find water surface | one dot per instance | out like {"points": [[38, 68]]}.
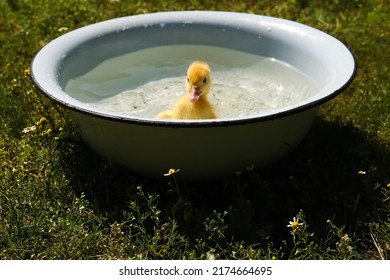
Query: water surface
{"points": [[145, 82]]}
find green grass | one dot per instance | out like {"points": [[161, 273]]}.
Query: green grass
{"points": [[59, 200]]}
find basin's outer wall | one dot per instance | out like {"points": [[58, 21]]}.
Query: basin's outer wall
{"points": [[199, 152], [149, 148]]}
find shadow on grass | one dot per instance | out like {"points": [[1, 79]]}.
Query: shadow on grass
{"points": [[322, 177]]}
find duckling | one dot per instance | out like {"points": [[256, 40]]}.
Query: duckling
{"points": [[195, 104]]}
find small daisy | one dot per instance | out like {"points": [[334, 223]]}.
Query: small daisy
{"points": [[171, 171], [361, 172], [29, 129], [62, 29], [210, 255], [345, 238], [250, 167], [294, 224]]}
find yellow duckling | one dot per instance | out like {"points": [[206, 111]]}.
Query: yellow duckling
{"points": [[195, 104]]}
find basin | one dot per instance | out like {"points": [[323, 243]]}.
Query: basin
{"points": [[210, 148]]}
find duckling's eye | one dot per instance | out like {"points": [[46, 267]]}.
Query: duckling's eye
{"points": [[188, 79], [205, 80]]}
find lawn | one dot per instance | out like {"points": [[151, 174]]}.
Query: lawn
{"points": [[59, 200]]}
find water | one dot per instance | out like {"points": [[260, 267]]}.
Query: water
{"points": [[146, 82]]}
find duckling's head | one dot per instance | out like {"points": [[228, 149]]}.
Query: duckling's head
{"points": [[198, 80]]}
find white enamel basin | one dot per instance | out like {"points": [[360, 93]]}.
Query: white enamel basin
{"points": [[200, 148]]}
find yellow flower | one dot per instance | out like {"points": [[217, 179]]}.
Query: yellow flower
{"points": [[171, 171], [27, 72], [49, 131], [361, 172], [294, 224], [42, 120]]}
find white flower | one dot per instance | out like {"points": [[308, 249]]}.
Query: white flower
{"points": [[171, 171], [62, 29], [29, 129], [294, 224], [210, 255]]}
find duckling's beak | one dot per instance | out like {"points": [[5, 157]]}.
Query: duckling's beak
{"points": [[195, 94]]}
